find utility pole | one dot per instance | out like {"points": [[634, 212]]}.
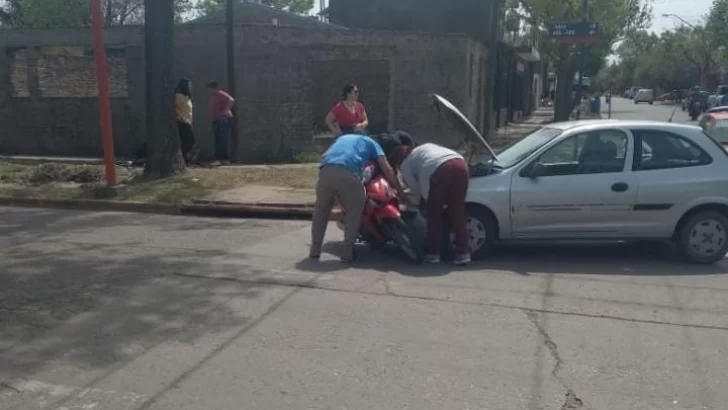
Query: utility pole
{"points": [[102, 83], [164, 157], [582, 58], [231, 74], [490, 80]]}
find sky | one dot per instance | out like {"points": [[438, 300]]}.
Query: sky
{"points": [[693, 11]]}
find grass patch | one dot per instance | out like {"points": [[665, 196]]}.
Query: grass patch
{"points": [[61, 181]]}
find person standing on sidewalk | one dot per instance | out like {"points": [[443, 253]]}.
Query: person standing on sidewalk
{"points": [[440, 176], [340, 177], [348, 115], [221, 113], [183, 113]]}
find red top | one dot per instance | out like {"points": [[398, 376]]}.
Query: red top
{"points": [[345, 117], [221, 104]]}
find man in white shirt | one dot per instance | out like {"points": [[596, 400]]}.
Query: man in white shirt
{"points": [[440, 176]]}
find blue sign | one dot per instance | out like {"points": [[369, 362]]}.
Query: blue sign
{"points": [[566, 29]]}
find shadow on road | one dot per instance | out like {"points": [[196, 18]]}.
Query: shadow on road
{"points": [[632, 259], [100, 306]]}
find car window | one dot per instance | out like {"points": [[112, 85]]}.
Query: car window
{"points": [[718, 130], [594, 152], [520, 150], [665, 150]]}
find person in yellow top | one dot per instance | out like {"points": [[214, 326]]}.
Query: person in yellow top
{"points": [[183, 113]]}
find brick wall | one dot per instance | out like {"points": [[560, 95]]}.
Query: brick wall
{"points": [[283, 90]]}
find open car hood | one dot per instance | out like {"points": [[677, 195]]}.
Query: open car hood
{"points": [[475, 142]]}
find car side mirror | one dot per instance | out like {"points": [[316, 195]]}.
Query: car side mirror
{"points": [[535, 170]]}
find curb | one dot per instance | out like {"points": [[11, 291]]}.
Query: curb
{"points": [[216, 210]]}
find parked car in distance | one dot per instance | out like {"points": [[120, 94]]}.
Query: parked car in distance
{"points": [[644, 95], [715, 124], [719, 97], [599, 180]]}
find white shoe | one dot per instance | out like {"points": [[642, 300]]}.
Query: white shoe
{"points": [[432, 259], [461, 260]]}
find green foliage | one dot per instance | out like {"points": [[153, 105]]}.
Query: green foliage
{"points": [[676, 59], [55, 13], [294, 6], [76, 13], [617, 19]]}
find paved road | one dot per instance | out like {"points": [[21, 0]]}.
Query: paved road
{"points": [[624, 109], [120, 311]]}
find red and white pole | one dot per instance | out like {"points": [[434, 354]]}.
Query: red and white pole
{"points": [[102, 82]]}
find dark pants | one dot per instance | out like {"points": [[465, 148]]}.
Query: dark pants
{"points": [[186, 138], [222, 130], [448, 186]]}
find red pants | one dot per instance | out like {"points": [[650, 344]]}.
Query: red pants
{"points": [[448, 186]]}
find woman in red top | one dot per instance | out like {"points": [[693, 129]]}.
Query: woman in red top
{"points": [[348, 115]]}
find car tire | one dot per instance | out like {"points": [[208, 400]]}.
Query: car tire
{"points": [[636, 102], [651, 102], [703, 238], [482, 228]]}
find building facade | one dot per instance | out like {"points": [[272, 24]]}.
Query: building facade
{"points": [[511, 60], [287, 79]]}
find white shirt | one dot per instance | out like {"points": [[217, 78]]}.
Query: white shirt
{"points": [[421, 163]]}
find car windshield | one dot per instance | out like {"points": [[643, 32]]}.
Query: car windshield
{"points": [[719, 131], [518, 151]]}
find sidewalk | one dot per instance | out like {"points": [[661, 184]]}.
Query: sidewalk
{"points": [[515, 131], [267, 191]]}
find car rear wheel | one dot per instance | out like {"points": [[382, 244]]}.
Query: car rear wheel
{"points": [[703, 238]]}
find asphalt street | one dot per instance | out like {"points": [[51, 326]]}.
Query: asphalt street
{"points": [[115, 311], [625, 109]]}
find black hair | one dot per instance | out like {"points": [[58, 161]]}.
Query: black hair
{"points": [[213, 84], [184, 87], [346, 90]]}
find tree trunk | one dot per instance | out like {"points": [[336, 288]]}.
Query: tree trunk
{"points": [[164, 157], [565, 71]]}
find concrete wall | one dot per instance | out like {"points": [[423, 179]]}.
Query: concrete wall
{"points": [[286, 79]]}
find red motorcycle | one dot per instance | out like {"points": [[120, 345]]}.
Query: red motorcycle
{"points": [[383, 223]]}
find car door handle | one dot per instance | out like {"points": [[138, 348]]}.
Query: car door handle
{"points": [[620, 187]]}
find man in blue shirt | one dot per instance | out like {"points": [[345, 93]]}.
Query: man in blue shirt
{"points": [[341, 177]]}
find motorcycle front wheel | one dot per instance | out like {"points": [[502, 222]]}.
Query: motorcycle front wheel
{"points": [[406, 238]]}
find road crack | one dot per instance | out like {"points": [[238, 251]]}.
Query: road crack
{"points": [[8, 386], [572, 401]]}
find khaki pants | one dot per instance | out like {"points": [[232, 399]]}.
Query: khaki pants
{"points": [[337, 183]]}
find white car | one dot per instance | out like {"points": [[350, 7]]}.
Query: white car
{"points": [[599, 180], [644, 95]]}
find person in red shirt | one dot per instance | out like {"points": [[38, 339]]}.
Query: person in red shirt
{"points": [[348, 115], [221, 114]]}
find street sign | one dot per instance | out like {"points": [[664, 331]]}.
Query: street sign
{"points": [[574, 32]]}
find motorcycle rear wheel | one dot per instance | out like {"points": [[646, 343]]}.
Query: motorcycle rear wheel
{"points": [[407, 239]]}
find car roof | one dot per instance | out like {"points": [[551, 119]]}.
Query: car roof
{"points": [[722, 108], [595, 125], [719, 115]]}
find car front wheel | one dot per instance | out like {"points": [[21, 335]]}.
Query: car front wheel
{"points": [[481, 227], [703, 238]]}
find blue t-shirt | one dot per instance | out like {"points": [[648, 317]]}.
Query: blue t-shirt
{"points": [[353, 152]]}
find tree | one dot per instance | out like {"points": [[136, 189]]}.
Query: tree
{"points": [[164, 157], [616, 19], [55, 13], [294, 6], [75, 13], [10, 13]]}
